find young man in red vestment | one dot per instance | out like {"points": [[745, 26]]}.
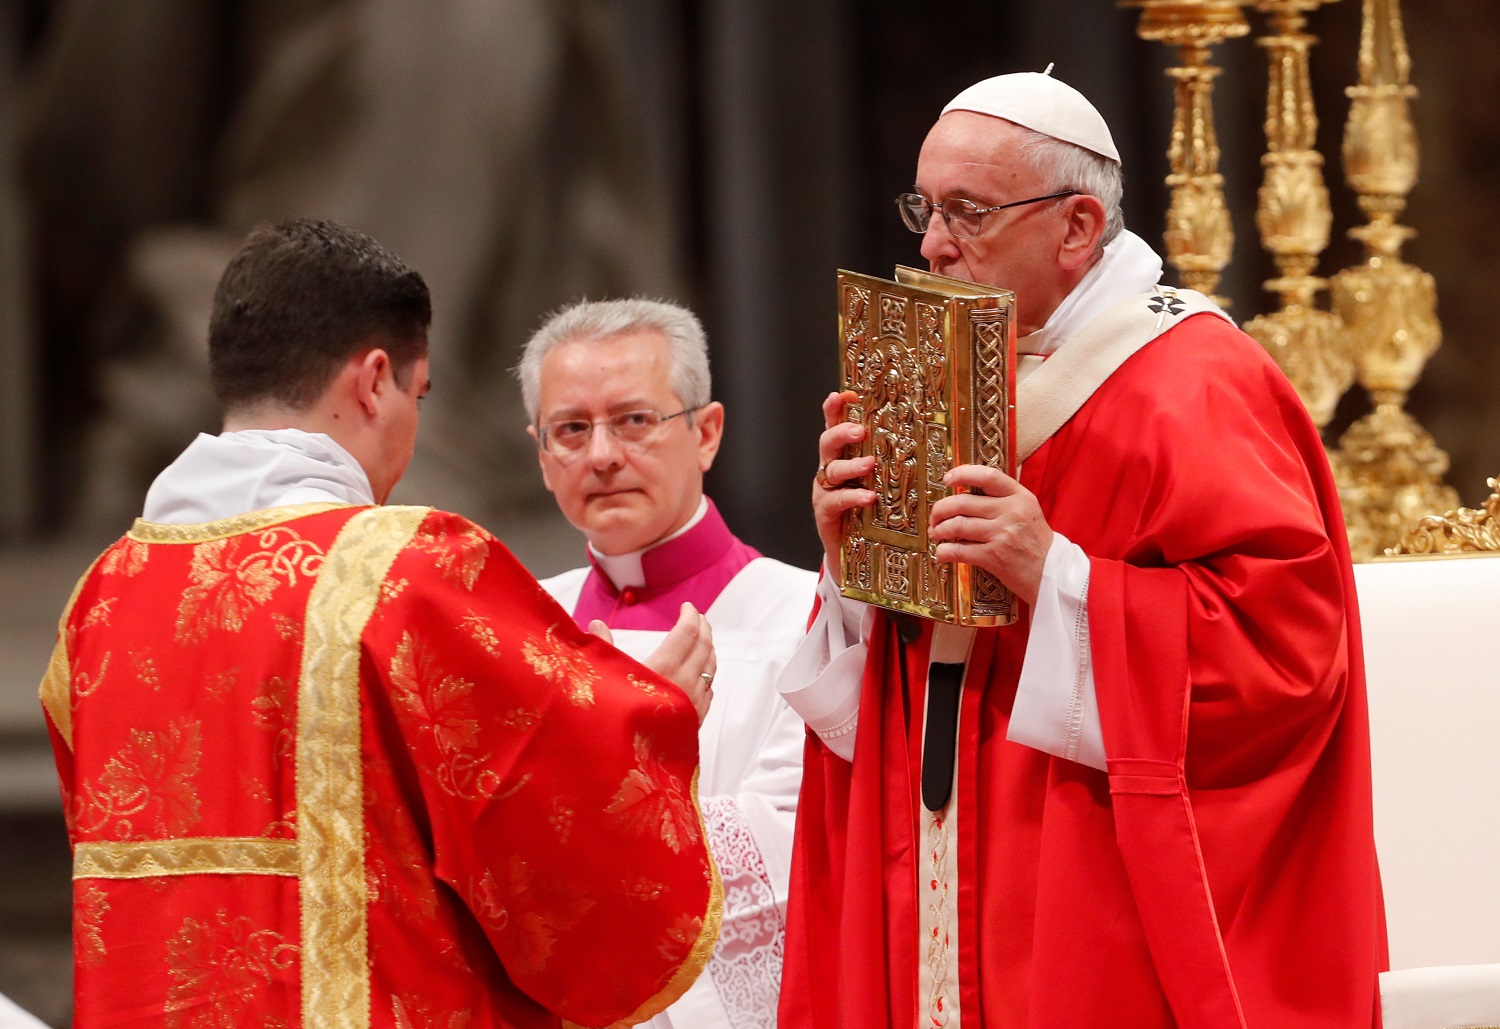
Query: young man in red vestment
{"points": [[618, 393], [329, 763], [1147, 802]]}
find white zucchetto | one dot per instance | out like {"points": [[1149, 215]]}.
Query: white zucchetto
{"points": [[1037, 101]]}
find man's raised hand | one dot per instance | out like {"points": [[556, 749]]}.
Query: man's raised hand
{"points": [[686, 657], [999, 527], [835, 488]]}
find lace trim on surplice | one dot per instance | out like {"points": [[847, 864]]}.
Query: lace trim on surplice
{"points": [[746, 965]]}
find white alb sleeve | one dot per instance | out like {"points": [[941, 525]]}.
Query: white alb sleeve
{"points": [[821, 681], [1056, 709]]}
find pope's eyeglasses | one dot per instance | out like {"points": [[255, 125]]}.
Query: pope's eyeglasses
{"points": [[964, 217], [566, 438]]}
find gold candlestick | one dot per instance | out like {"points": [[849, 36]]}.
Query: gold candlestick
{"points": [[1199, 236], [1294, 219], [1390, 468]]}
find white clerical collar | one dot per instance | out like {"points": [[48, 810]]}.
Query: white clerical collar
{"points": [[237, 472], [1128, 268], [625, 570]]}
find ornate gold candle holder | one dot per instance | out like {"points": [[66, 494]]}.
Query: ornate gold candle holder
{"points": [[1390, 468], [1294, 218], [1199, 236]]}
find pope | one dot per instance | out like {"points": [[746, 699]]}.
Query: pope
{"points": [[1147, 802]]}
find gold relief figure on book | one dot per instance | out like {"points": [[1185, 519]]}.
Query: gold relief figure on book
{"points": [[895, 422]]}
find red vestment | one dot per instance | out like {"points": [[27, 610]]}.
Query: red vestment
{"points": [[1223, 872], [339, 766]]}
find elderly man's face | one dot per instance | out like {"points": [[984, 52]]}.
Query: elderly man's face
{"points": [[624, 496], [974, 157]]}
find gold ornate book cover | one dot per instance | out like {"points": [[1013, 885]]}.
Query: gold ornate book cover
{"points": [[932, 361]]}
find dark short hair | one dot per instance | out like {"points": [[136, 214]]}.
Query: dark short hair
{"points": [[298, 300]]}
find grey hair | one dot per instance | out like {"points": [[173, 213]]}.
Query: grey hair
{"points": [[599, 320], [1069, 166]]}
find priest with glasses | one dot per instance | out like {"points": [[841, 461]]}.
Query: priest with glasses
{"points": [[618, 396]]}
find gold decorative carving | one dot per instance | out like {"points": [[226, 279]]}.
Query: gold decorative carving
{"points": [[1199, 237], [1294, 219], [1389, 472], [1461, 531], [897, 578], [1390, 469], [895, 424], [857, 567]]}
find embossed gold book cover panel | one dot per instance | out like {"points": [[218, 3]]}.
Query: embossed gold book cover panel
{"points": [[932, 362]]}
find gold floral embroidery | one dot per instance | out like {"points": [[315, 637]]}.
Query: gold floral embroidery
{"points": [[697, 956], [99, 614], [460, 556], [484, 895], [646, 686], [85, 684], [399, 863], [90, 905], [271, 710], [645, 889], [223, 683], [389, 590], [482, 632], [284, 828], [145, 671], [443, 711], [413, 1014], [226, 584], [655, 692], [561, 820], [219, 970], [152, 777], [528, 912], [287, 627], [127, 557], [521, 718], [680, 938], [652, 801], [564, 665]]}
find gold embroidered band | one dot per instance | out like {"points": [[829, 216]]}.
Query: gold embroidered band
{"points": [[156, 532], [56, 691], [144, 859], [330, 777]]}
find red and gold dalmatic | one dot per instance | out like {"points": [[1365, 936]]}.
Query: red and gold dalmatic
{"points": [[333, 766]]}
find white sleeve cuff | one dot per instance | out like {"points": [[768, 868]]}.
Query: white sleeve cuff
{"points": [[1056, 709], [821, 682]]}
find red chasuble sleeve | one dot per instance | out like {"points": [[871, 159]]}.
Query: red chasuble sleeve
{"points": [[1228, 664], [560, 776]]}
